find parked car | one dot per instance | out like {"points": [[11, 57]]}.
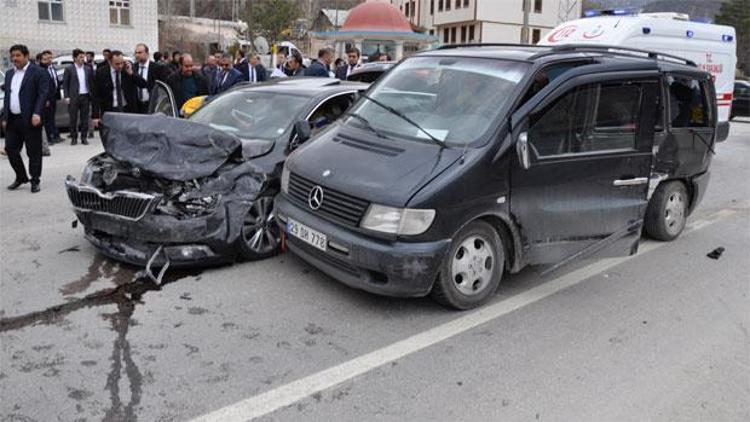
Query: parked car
{"points": [[370, 72], [200, 190], [463, 163], [741, 99]]}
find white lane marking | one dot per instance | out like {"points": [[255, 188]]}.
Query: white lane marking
{"points": [[288, 394]]}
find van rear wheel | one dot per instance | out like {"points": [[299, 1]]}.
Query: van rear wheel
{"points": [[472, 269], [667, 211]]}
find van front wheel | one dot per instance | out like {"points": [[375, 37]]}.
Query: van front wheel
{"points": [[472, 269]]}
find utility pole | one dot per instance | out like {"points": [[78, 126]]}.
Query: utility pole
{"points": [[525, 28], [192, 9]]}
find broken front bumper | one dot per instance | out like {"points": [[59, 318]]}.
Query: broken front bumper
{"points": [[123, 226], [383, 267]]}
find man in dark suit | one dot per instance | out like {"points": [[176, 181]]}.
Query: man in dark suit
{"points": [[26, 91], [320, 67], [187, 82], [50, 107], [149, 72], [116, 87], [78, 91], [253, 71], [352, 62], [227, 76]]}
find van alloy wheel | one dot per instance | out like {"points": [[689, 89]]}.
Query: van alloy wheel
{"points": [[259, 230], [473, 265], [674, 212]]}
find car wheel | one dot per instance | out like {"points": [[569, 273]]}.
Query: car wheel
{"points": [[667, 211], [472, 269], [260, 235]]}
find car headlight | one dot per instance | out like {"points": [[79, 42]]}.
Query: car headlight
{"points": [[88, 174], [400, 221], [285, 179]]}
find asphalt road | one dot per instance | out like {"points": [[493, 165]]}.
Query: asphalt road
{"points": [[662, 335]]}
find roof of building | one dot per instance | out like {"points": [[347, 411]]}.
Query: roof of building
{"points": [[376, 16]]}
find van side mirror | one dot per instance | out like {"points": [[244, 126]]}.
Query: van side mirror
{"points": [[303, 131], [522, 149]]}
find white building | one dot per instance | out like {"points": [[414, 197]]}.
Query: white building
{"points": [[486, 21], [62, 25]]}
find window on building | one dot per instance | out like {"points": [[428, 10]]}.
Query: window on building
{"points": [[119, 12], [406, 9], [447, 4], [50, 10], [537, 6], [458, 4], [536, 35], [471, 34], [446, 35], [432, 32], [440, 5], [413, 9], [453, 35], [466, 3], [432, 7], [463, 34]]}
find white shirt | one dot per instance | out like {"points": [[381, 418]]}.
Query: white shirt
{"points": [[15, 89], [253, 74], [350, 69], [83, 87], [143, 72], [113, 74], [52, 74]]}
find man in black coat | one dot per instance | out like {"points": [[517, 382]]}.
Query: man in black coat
{"points": [[253, 71], [320, 67], [149, 72], [187, 83], [50, 107], [78, 91], [352, 62], [116, 87], [26, 92]]}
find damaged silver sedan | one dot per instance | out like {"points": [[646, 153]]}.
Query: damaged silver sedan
{"points": [[183, 192]]}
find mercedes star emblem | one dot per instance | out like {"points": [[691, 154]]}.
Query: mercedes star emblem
{"points": [[315, 199]]}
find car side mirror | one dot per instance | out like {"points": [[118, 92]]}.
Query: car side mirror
{"points": [[522, 149], [303, 131]]}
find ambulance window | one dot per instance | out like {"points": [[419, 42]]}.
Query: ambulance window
{"points": [[687, 103]]}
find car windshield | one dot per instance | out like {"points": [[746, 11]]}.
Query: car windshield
{"points": [[251, 114], [454, 99]]}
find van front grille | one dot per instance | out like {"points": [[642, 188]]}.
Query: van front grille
{"points": [[336, 206]]}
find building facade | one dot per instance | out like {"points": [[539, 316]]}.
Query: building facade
{"points": [[486, 21], [62, 25]]}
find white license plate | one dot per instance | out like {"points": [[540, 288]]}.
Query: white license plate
{"points": [[310, 236]]}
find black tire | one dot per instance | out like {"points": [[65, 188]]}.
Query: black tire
{"points": [[260, 237], [667, 211], [473, 287]]}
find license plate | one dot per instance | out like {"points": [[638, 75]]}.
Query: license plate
{"points": [[308, 235]]}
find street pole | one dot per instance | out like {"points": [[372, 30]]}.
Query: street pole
{"points": [[525, 28]]}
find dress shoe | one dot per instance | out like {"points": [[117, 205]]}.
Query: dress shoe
{"points": [[16, 184], [46, 153], [35, 188], [84, 141], [74, 142]]}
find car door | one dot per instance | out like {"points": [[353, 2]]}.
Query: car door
{"points": [[162, 100], [579, 185]]}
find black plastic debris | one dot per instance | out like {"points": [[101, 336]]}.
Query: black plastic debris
{"points": [[716, 253], [74, 224]]}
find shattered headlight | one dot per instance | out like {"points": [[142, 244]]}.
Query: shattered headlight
{"points": [[285, 179], [400, 221], [197, 205]]}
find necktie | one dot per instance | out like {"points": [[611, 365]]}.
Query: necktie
{"points": [[118, 91], [252, 74], [53, 75], [140, 91]]}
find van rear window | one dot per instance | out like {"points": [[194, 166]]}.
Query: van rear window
{"points": [[687, 103]]}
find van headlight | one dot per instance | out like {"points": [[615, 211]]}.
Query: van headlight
{"points": [[400, 221], [285, 179]]}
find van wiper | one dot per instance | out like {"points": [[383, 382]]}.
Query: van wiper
{"points": [[366, 123], [405, 118]]}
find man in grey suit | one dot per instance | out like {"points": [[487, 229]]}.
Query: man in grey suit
{"points": [[78, 86]]}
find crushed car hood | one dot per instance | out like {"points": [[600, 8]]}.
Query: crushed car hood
{"points": [[174, 149]]}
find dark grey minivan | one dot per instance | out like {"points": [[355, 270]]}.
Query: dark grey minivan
{"points": [[466, 162]]}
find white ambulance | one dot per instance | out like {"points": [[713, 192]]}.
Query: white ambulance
{"points": [[711, 47]]}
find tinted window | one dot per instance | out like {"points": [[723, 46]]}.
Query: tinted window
{"points": [[616, 118], [687, 104]]}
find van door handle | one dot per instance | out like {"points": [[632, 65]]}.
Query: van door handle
{"points": [[631, 182]]}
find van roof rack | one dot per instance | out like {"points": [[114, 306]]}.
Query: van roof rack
{"points": [[452, 46], [613, 50]]}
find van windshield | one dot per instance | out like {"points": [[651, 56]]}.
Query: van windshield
{"points": [[454, 99]]}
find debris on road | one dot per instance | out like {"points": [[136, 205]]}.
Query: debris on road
{"points": [[716, 253]]}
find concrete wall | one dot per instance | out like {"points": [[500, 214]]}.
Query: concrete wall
{"points": [[85, 25]]}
